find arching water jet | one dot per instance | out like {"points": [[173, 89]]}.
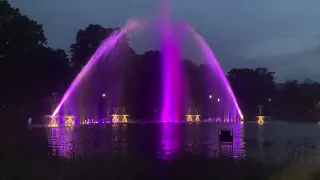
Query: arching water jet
{"points": [[216, 66], [104, 49]]}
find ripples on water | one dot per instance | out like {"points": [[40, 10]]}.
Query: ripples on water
{"points": [[168, 139]]}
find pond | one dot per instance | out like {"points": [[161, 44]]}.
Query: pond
{"points": [[249, 139]]}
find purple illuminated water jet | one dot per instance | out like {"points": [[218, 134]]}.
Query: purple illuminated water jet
{"points": [[104, 49], [215, 64], [173, 81], [171, 69]]}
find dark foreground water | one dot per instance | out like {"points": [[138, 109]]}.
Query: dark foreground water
{"points": [[250, 139]]}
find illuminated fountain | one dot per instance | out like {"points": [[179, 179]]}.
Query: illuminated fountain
{"points": [[69, 121], [104, 49], [115, 116], [172, 77], [260, 117]]}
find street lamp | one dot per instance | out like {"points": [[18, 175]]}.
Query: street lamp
{"points": [[218, 99], [210, 96], [269, 102], [103, 94]]}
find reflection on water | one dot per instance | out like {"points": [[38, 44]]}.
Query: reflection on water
{"points": [[156, 139], [171, 139], [61, 141], [146, 139]]}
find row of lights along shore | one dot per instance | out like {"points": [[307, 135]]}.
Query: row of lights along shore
{"points": [[117, 118]]}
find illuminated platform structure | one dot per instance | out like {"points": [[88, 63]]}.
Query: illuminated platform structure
{"points": [[62, 121], [53, 122], [260, 117], [195, 117], [124, 115], [189, 116], [69, 121], [192, 117], [115, 116]]}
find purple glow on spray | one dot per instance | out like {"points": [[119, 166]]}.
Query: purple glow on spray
{"points": [[215, 64], [104, 49], [172, 80]]}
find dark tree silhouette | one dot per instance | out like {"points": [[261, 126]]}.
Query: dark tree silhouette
{"points": [[28, 68], [252, 87], [87, 42], [298, 100]]}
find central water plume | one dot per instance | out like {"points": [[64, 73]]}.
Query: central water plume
{"points": [[171, 69], [175, 95], [104, 49]]}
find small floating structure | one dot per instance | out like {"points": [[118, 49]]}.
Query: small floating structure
{"points": [[53, 122], [69, 121], [225, 141]]}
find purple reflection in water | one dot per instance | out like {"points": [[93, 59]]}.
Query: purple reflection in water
{"points": [[171, 139], [165, 139], [61, 141], [200, 138]]}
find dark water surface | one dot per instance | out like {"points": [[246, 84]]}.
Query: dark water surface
{"points": [[167, 139]]}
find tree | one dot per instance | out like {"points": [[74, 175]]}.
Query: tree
{"points": [[143, 85], [252, 86], [27, 65], [87, 42]]}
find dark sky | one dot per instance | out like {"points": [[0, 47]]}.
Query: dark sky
{"points": [[282, 35]]}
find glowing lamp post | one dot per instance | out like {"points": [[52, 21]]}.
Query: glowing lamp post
{"points": [[104, 95], [269, 102], [210, 106]]}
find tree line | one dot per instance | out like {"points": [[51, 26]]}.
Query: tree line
{"points": [[31, 70]]}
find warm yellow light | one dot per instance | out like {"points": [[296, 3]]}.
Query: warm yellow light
{"points": [[53, 123], [125, 118], [218, 99], [115, 118], [189, 117], [197, 117], [210, 96], [260, 120], [69, 122], [103, 95]]}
